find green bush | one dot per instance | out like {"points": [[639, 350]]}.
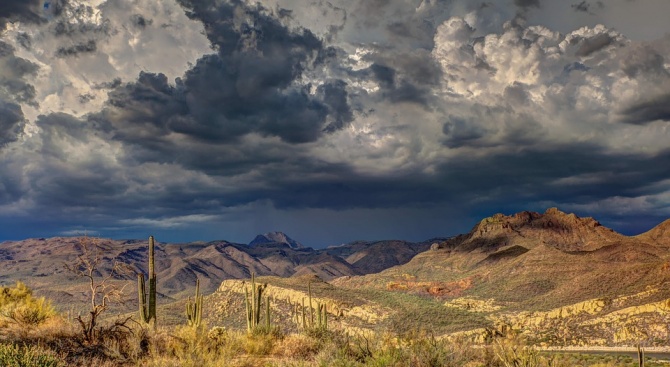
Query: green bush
{"points": [[12, 355], [17, 304]]}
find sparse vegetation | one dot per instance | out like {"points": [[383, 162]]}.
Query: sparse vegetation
{"points": [[399, 329], [17, 305], [12, 355], [101, 290]]}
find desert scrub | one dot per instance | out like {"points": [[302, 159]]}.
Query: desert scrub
{"points": [[17, 305], [297, 346], [12, 355]]}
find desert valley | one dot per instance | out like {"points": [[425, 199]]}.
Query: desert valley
{"points": [[547, 280]]}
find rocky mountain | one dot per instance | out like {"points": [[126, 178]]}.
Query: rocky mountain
{"points": [[40, 262], [550, 275], [534, 260], [373, 257], [271, 238]]}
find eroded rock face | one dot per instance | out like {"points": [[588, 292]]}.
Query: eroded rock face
{"points": [[566, 232]]}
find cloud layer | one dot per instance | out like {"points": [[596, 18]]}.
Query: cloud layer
{"points": [[222, 119]]}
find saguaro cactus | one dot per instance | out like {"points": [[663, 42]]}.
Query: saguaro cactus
{"points": [[148, 310], [253, 302], [311, 309], [194, 310], [308, 321]]}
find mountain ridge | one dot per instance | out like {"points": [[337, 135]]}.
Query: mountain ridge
{"points": [[40, 262], [534, 260]]}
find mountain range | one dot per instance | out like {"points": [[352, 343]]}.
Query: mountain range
{"points": [[40, 262], [558, 278]]}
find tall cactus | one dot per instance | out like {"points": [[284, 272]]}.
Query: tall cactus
{"points": [[267, 313], [194, 310], [308, 321], [148, 311], [253, 303], [640, 355]]}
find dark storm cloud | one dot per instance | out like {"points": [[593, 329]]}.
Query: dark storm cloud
{"points": [[15, 69], [648, 111], [13, 91], [586, 6], [643, 59], [21, 10], [85, 98], [89, 46], [516, 94], [24, 40], [335, 96], [115, 83], [142, 111], [527, 3], [403, 77], [11, 122], [583, 6], [460, 132], [140, 21], [593, 44], [61, 183], [540, 174], [528, 175], [251, 85]]}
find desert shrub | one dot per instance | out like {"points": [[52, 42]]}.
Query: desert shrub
{"points": [[218, 335], [189, 343], [259, 344], [297, 346], [511, 353], [18, 305], [17, 293], [12, 355]]}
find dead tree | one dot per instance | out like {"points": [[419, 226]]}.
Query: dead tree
{"points": [[102, 291]]}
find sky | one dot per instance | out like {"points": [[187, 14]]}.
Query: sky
{"points": [[331, 121]]}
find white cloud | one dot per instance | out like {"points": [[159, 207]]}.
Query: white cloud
{"points": [[166, 41]]}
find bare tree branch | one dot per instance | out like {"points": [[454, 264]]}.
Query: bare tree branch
{"points": [[89, 265]]}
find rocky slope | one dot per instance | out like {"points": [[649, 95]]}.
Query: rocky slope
{"points": [[537, 271], [40, 262]]}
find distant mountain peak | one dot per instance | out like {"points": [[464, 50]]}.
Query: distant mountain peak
{"points": [[274, 238]]}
